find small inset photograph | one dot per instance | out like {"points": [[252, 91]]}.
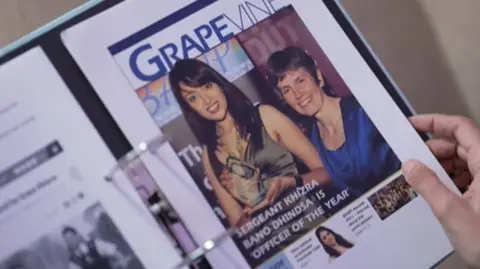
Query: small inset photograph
{"points": [[392, 197], [89, 241], [334, 243]]}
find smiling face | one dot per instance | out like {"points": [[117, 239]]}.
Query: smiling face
{"points": [[207, 100], [301, 92], [327, 238]]}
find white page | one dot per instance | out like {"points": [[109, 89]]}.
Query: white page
{"points": [[53, 165], [104, 47]]}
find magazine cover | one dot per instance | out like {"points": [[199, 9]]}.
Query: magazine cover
{"points": [[270, 133], [282, 128]]}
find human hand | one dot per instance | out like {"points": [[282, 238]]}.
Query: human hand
{"points": [[444, 147], [278, 186], [458, 214]]}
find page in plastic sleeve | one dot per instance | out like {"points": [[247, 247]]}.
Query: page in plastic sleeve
{"points": [[56, 209], [284, 130]]}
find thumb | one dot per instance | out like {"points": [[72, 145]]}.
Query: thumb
{"points": [[424, 181], [271, 195], [272, 192]]}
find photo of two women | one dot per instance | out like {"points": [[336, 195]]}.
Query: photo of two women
{"points": [[255, 152]]}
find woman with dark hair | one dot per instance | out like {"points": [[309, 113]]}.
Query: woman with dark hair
{"points": [[333, 244], [247, 149]]}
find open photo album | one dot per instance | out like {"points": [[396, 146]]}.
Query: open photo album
{"points": [[56, 209], [282, 128]]}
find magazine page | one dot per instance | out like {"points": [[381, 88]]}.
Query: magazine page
{"points": [[56, 209], [285, 132]]}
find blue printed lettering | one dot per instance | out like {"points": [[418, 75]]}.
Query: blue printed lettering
{"points": [[199, 41], [169, 57], [250, 6], [219, 57], [241, 11], [166, 93], [151, 98], [156, 61], [219, 28], [203, 33], [271, 5], [189, 44]]}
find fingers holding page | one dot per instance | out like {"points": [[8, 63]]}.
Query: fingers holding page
{"points": [[463, 130], [442, 147], [426, 183], [456, 213], [456, 144]]}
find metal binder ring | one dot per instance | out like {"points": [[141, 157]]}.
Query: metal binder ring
{"points": [[162, 206]]}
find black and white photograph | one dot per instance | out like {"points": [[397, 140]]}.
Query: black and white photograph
{"points": [[89, 241]]}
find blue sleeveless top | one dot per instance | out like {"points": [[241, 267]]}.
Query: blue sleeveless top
{"points": [[365, 159]]}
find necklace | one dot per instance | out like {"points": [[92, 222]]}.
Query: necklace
{"points": [[238, 145]]}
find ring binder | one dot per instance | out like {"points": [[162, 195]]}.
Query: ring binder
{"points": [[160, 207]]}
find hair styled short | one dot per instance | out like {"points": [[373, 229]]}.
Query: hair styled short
{"points": [[290, 59], [69, 229], [195, 73], [338, 238]]}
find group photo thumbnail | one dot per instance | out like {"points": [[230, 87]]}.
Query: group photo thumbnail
{"points": [[393, 196], [89, 241]]}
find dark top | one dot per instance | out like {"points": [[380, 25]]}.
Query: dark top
{"points": [[365, 159], [90, 260], [262, 163]]}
